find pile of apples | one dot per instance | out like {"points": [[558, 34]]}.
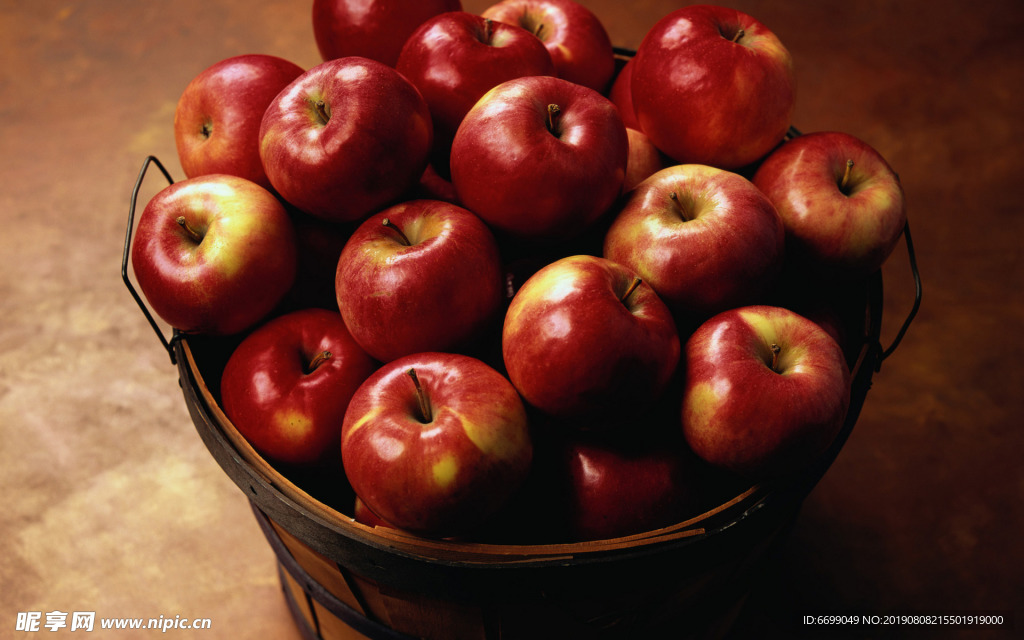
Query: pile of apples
{"points": [[482, 274]]}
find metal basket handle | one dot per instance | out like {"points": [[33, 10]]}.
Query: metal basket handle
{"points": [[917, 300], [168, 344]]}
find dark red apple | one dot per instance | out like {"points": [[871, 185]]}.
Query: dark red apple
{"points": [[374, 29], [217, 119], [345, 139], [362, 514], [712, 85], [766, 392], [456, 57], [705, 239], [644, 160], [613, 488], [436, 443], [841, 203], [287, 385], [573, 34], [540, 158], [433, 186], [586, 340], [621, 95], [214, 254], [319, 245], [419, 276]]}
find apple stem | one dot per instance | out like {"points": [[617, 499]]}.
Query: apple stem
{"points": [[553, 111], [632, 287], [487, 31], [322, 111], [776, 349], [320, 358], [421, 396], [192, 233], [538, 29], [391, 225], [846, 176], [739, 34], [679, 206]]}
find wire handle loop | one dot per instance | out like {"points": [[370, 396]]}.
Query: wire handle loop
{"points": [[917, 299], [168, 344]]}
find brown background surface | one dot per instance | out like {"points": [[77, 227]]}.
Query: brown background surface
{"points": [[113, 505]]}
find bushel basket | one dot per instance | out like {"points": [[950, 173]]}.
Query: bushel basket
{"points": [[343, 579]]}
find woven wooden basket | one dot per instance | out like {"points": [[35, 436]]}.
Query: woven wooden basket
{"points": [[344, 579]]}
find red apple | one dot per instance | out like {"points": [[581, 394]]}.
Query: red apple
{"points": [[346, 138], [705, 239], [419, 276], [540, 158], [713, 86], [766, 391], [217, 120], [374, 29], [214, 254], [433, 186], [319, 245], [838, 307], [621, 95], [363, 515], [435, 443], [841, 203], [612, 488], [644, 159], [287, 385], [578, 42], [456, 57], [585, 339]]}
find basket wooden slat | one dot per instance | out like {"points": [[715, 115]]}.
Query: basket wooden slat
{"points": [[322, 569]]}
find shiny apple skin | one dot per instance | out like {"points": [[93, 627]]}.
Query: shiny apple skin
{"points": [[289, 411], [374, 29], [436, 294], [444, 477], [217, 118], [577, 40], [527, 182], [240, 269], [613, 489], [455, 58], [707, 100], [644, 159], [727, 252], [574, 350], [621, 95], [362, 514], [844, 233], [741, 415], [372, 149]]}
